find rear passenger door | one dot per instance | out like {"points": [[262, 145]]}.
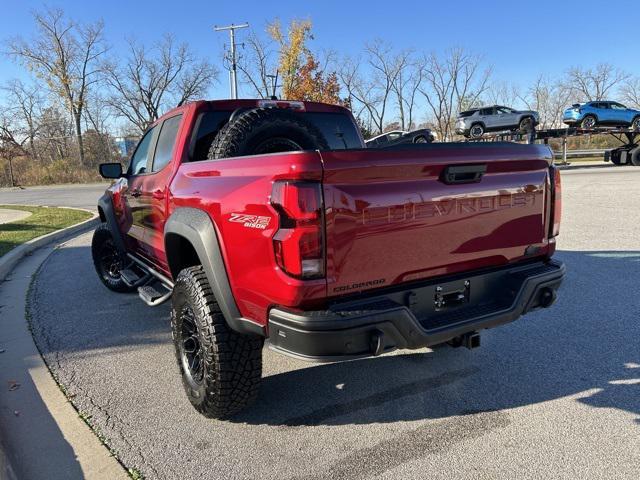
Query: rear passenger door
{"points": [[154, 190], [605, 114]]}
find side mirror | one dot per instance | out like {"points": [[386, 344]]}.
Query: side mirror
{"points": [[110, 170]]}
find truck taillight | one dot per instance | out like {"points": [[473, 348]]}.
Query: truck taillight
{"points": [[556, 198], [299, 242]]}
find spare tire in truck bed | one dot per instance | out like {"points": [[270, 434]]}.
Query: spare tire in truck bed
{"points": [[266, 130]]}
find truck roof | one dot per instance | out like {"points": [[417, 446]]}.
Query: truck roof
{"points": [[229, 104]]}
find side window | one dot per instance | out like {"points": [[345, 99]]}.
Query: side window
{"points": [[394, 136], [338, 129], [486, 111], [166, 142], [138, 163]]}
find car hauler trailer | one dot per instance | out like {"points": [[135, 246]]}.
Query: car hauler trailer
{"points": [[628, 153]]}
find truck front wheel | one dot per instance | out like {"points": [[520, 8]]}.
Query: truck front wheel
{"points": [[107, 260], [221, 369]]}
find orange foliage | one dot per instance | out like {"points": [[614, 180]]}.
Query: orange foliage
{"points": [[311, 85]]}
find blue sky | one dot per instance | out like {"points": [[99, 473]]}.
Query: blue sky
{"points": [[520, 39]]}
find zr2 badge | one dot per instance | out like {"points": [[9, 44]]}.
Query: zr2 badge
{"points": [[250, 221]]}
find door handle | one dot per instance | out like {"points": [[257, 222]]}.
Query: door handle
{"points": [[454, 174], [135, 193], [158, 195]]}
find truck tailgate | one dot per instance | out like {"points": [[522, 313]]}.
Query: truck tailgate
{"points": [[393, 217]]}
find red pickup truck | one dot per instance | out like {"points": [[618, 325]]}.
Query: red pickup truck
{"points": [[270, 219]]}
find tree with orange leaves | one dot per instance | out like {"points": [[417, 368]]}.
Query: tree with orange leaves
{"points": [[302, 76]]}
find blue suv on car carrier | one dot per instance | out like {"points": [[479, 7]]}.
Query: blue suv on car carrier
{"points": [[601, 113]]}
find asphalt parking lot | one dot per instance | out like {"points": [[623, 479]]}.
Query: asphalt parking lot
{"points": [[553, 395]]}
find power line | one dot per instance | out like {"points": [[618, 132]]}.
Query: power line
{"points": [[231, 56]]}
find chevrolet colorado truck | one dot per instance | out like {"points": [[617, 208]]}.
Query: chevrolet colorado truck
{"points": [[263, 219]]}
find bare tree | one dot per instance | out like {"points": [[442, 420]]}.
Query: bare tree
{"points": [[25, 105], [596, 83], [361, 98], [630, 91], [454, 82], [407, 82], [549, 98], [150, 81], [385, 69], [257, 62], [503, 93], [12, 141], [65, 55]]}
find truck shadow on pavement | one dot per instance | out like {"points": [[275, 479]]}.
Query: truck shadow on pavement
{"points": [[585, 346]]}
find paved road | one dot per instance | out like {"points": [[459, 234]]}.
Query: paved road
{"points": [[554, 395], [80, 196]]}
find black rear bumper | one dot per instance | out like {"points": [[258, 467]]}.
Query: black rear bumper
{"points": [[420, 315]]}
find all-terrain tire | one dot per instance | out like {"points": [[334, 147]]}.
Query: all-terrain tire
{"points": [[107, 260], [231, 362], [266, 130]]}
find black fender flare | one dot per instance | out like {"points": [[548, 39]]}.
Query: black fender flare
{"points": [[195, 226], [108, 216]]}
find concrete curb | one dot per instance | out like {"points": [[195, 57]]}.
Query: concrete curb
{"points": [[9, 260], [41, 433]]}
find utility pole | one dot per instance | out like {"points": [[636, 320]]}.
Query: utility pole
{"points": [[231, 56], [274, 85]]}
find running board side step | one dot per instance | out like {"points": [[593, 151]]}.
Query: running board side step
{"points": [[133, 276], [153, 287], [155, 293]]}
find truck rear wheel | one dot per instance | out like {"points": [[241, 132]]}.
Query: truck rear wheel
{"points": [[635, 156], [107, 260], [221, 369], [266, 130]]}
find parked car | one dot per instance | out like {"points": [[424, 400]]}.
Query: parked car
{"points": [[601, 113], [268, 219], [474, 123], [397, 137]]}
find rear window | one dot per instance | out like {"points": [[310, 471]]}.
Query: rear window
{"points": [[337, 128], [208, 125]]}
